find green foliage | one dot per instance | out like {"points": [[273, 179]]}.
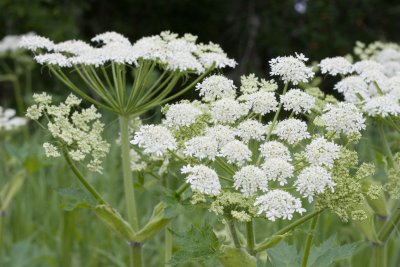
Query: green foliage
{"points": [[324, 255], [197, 244], [73, 198]]}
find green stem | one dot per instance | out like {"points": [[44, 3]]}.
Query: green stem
{"points": [[82, 179], [250, 237], [386, 144], [136, 254], [390, 225], [266, 243], [168, 244], [309, 240], [234, 234], [378, 256], [276, 114]]}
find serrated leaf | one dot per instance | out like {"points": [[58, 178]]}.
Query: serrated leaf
{"points": [[73, 198], [330, 251], [284, 255], [197, 244]]}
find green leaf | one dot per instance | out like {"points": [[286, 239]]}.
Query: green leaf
{"points": [[73, 198], [284, 255], [330, 251], [197, 244]]}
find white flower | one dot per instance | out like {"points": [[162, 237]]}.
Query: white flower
{"points": [[291, 69], [227, 111], [8, 120], [353, 87], [42, 98], [278, 204], [76, 47], [216, 87], [201, 147], [110, 37], [335, 65], [11, 42], [34, 42], [251, 129], [275, 149], [236, 152], [51, 151], [219, 60], [202, 179], [249, 84], [292, 130], [382, 106], [221, 134], [53, 59], [182, 114], [313, 180], [387, 55], [298, 101], [249, 179], [322, 152], [366, 65], [343, 118], [156, 140], [261, 102], [278, 169]]}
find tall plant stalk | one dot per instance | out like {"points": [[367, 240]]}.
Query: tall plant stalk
{"points": [[131, 207]]}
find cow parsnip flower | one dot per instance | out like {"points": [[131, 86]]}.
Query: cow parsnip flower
{"points": [[335, 66], [156, 140], [239, 158], [291, 69], [297, 101], [77, 131]]}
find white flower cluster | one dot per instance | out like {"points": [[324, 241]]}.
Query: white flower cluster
{"points": [[8, 120], [77, 131], [372, 83], [167, 49], [298, 101], [225, 139], [343, 118], [10, 42], [291, 69]]}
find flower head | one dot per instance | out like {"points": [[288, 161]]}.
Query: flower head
{"points": [[249, 179], [156, 140], [291, 69], [292, 130], [313, 180], [298, 101], [343, 118], [321, 152], [216, 87], [201, 147], [278, 204], [182, 114], [275, 149], [335, 66], [227, 110], [236, 152], [251, 130], [202, 179], [278, 169]]}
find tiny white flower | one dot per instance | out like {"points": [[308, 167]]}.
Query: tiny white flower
{"points": [[343, 118], [216, 87], [227, 111], [335, 66], [291, 69], [313, 180], [298, 101], [322, 152], [292, 130], [278, 169], [156, 140], [251, 130], [201, 147], [261, 102], [278, 204], [182, 114], [222, 134], [382, 106], [236, 152], [249, 179], [51, 151], [275, 149], [353, 87], [202, 179]]}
